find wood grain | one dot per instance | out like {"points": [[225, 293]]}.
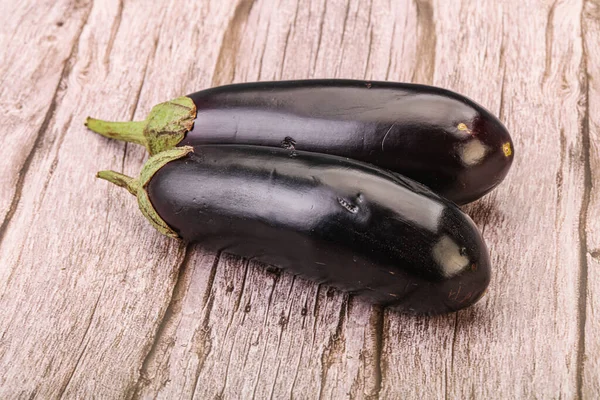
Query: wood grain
{"points": [[32, 84], [590, 231], [94, 303]]}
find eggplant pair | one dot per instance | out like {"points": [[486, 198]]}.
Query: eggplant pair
{"points": [[314, 177]]}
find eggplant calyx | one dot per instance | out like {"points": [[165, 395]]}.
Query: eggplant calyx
{"points": [[137, 187], [166, 126]]}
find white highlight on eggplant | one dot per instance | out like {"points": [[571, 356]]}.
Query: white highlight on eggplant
{"points": [[472, 152], [448, 255]]}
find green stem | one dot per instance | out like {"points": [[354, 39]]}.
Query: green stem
{"points": [[132, 132], [132, 185], [165, 127]]}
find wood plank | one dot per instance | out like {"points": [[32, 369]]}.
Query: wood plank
{"points": [[526, 328], [590, 127], [83, 295], [534, 224], [38, 40], [93, 302]]}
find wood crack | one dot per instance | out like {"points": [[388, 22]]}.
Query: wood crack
{"points": [[287, 39], [296, 371], [285, 46], [238, 301], [452, 355], [558, 221], [315, 314], [376, 323], [426, 43], [583, 214], [549, 41], [225, 66], [262, 54], [113, 34], [211, 280], [389, 66], [207, 303], [501, 106], [138, 95], [369, 53], [236, 305], [296, 13], [334, 346], [274, 381], [262, 358], [85, 333], [54, 163], [347, 14], [323, 14], [180, 270], [283, 321], [502, 66]]}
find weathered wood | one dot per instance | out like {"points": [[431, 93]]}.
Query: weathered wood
{"points": [[37, 42], [82, 297], [590, 213], [526, 329], [93, 302]]}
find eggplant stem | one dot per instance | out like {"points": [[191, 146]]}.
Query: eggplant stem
{"points": [[132, 132], [164, 128], [132, 185]]}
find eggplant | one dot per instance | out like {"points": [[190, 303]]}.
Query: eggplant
{"points": [[434, 136], [334, 220]]}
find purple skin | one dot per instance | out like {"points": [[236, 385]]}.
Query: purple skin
{"points": [[431, 135], [337, 221]]}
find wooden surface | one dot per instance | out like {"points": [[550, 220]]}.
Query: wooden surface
{"points": [[95, 303]]}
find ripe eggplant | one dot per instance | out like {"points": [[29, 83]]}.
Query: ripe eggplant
{"points": [[434, 136], [335, 220]]}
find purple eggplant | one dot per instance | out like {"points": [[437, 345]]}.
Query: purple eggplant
{"points": [[337, 221], [434, 136]]}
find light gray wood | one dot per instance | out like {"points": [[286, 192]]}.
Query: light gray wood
{"points": [[522, 341], [37, 43], [94, 303], [590, 126]]}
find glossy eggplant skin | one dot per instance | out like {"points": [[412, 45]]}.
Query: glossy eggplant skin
{"points": [[431, 135], [334, 220]]}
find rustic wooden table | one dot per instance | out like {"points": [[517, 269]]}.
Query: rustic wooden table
{"points": [[95, 303]]}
